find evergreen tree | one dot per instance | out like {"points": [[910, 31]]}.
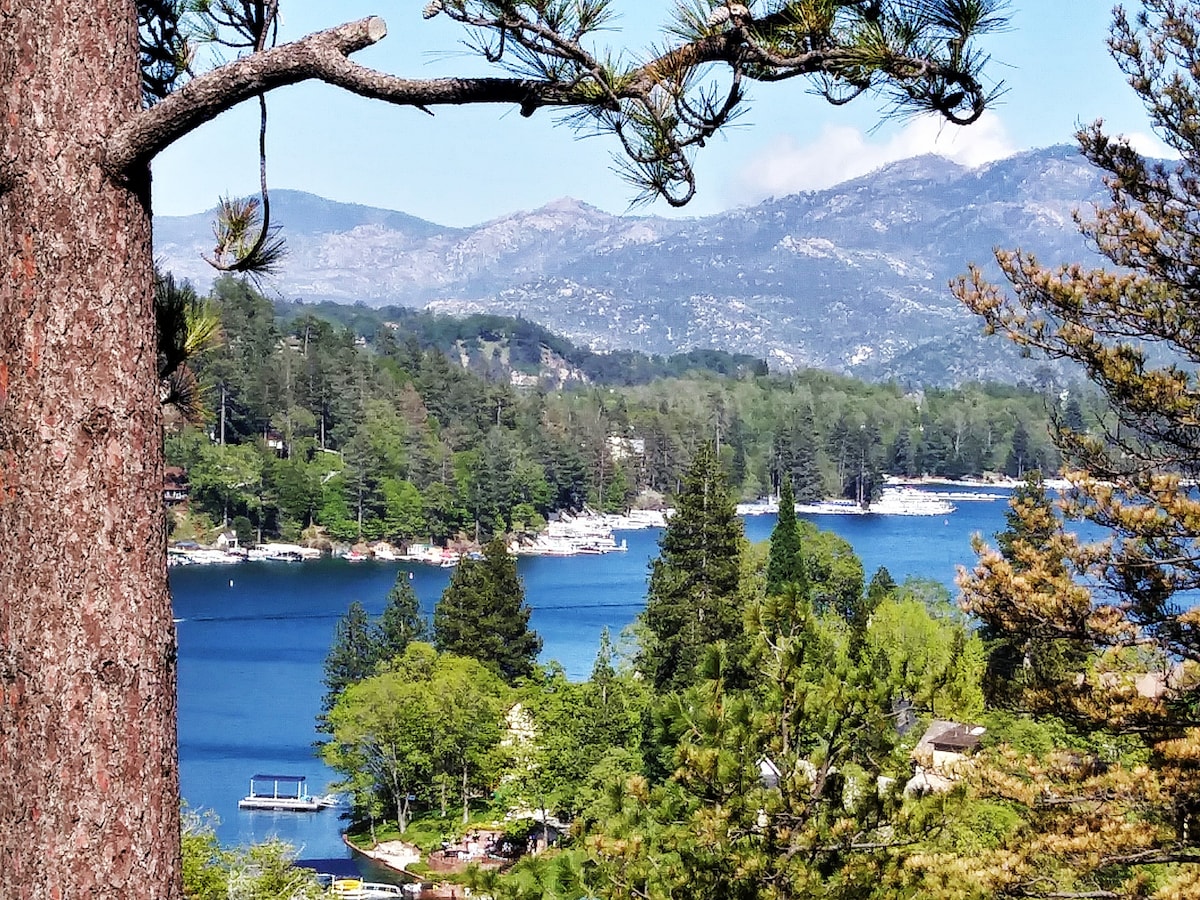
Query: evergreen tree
{"points": [[862, 475], [401, 622], [735, 438], [781, 456], [1033, 530], [1024, 670], [807, 483], [1020, 458], [352, 656], [858, 613], [904, 454], [936, 448], [834, 824], [785, 565], [692, 599], [1073, 415], [603, 672], [881, 587], [482, 615]]}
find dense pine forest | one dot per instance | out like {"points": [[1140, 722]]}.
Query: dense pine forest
{"points": [[392, 424]]}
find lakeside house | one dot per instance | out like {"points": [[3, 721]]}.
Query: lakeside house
{"points": [[176, 489], [942, 756]]}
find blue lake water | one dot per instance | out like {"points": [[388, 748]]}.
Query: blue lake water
{"points": [[253, 637]]}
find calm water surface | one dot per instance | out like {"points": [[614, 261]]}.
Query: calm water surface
{"points": [[253, 637]]}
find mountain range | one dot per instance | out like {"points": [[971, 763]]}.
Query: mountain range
{"points": [[851, 279]]}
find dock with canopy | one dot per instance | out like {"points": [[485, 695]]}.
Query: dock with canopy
{"points": [[286, 792]]}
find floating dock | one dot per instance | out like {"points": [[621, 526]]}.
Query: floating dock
{"points": [[283, 792]]}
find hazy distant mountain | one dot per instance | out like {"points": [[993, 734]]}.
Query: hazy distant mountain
{"points": [[853, 278]]}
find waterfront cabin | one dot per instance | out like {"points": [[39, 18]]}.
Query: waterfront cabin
{"points": [[942, 756], [287, 792], [175, 486]]}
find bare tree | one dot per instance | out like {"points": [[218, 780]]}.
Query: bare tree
{"points": [[90, 92]]}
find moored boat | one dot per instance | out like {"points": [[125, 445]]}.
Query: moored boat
{"points": [[892, 502]]}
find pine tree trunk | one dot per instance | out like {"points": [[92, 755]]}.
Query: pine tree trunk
{"points": [[89, 804]]}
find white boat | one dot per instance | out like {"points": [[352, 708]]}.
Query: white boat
{"points": [[572, 536], [637, 519], [201, 556], [892, 502], [972, 496], [284, 552], [831, 508], [429, 555], [765, 507], [910, 502]]}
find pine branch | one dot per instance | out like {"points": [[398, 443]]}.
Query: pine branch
{"points": [[648, 107], [207, 96]]}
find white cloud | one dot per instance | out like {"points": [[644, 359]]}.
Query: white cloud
{"points": [[839, 153]]}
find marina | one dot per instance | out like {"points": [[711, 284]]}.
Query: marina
{"points": [[587, 533]]}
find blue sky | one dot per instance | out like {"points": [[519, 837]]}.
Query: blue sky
{"points": [[466, 166]]}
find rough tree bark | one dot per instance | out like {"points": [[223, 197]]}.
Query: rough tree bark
{"points": [[88, 771]]}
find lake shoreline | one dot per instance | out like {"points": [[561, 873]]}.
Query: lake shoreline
{"points": [[253, 638], [590, 533]]}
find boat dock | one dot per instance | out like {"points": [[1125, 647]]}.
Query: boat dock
{"points": [[283, 792], [357, 889]]}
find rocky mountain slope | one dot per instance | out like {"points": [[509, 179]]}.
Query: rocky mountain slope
{"points": [[853, 278]]}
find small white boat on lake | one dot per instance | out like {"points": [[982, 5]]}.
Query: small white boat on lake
{"points": [[910, 502], [278, 552], [892, 502]]}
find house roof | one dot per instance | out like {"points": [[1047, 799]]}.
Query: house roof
{"points": [[945, 735], [958, 738]]}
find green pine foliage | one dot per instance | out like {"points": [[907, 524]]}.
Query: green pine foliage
{"points": [[361, 644], [795, 456], [785, 565], [401, 621], [692, 599], [482, 615], [792, 786], [1023, 669], [353, 654], [881, 587], [1033, 530]]}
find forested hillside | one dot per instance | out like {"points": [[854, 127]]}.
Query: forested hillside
{"points": [[495, 346], [413, 428]]}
